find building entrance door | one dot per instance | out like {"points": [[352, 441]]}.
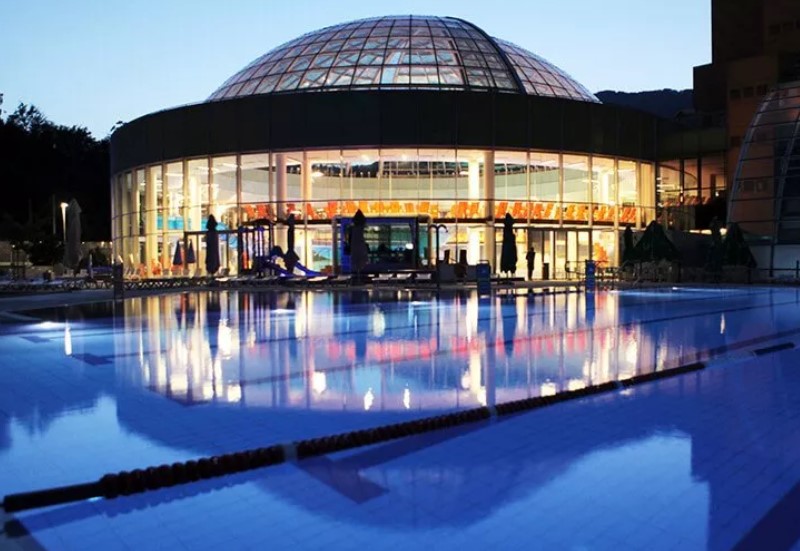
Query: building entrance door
{"points": [[560, 253]]}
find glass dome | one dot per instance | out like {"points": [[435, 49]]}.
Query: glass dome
{"points": [[766, 193], [401, 52]]}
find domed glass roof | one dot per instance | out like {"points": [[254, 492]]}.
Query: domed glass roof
{"points": [[401, 52], [765, 200]]}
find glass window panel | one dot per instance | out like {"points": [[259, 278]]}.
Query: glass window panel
{"points": [[288, 82], [313, 79], [451, 75], [423, 57], [447, 57], [354, 44], [576, 179], [312, 48], [323, 60], [378, 43], [604, 184], [340, 77], [374, 57], [300, 64], [346, 59], [395, 57], [545, 174], [367, 75], [333, 46], [255, 186], [267, 85], [398, 42]]}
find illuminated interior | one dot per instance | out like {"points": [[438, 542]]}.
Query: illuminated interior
{"points": [[569, 207]]}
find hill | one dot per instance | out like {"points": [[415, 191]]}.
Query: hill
{"points": [[665, 103]]}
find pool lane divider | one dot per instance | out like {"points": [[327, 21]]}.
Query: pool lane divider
{"points": [[773, 348], [126, 483]]}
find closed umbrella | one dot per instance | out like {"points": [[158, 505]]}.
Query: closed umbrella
{"points": [[177, 260], [628, 254], [190, 256], [359, 252], [508, 254], [654, 245], [72, 247], [735, 250], [212, 246]]}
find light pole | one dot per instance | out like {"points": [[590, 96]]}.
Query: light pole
{"points": [[64, 221]]}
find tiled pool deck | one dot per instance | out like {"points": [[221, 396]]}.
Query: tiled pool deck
{"points": [[704, 460]]}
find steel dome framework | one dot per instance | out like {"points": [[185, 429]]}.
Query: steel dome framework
{"points": [[401, 52]]}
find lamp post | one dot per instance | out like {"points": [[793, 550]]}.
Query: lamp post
{"points": [[64, 221]]}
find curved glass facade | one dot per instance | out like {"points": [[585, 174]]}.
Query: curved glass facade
{"points": [[401, 52], [765, 200], [569, 207]]}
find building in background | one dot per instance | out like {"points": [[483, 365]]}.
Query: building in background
{"points": [[399, 117], [752, 82]]}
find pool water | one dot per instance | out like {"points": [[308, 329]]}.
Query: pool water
{"points": [[97, 388]]}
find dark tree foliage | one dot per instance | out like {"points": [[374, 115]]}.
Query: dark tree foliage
{"points": [[43, 164]]}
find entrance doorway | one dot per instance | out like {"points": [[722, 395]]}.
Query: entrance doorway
{"points": [[561, 252]]}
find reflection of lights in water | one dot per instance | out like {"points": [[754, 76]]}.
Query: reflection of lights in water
{"points": [[407, 398], [420, 302], [481, 396], [319, 381], [282, 311], [161, 372], [208, 391], [369, 398], [378, 323], [224, 341], [251, 338], [67, 341], [471, 316], [626, 392], [146, 373], [631, 351], [465, 379], [178, 384], [548, 389], [576, 384], [234, 393], [722, 325], [47, 325]]}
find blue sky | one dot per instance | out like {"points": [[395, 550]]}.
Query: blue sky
{"points": [[94, 62]]}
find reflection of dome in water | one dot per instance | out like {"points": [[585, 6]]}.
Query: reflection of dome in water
{"points": [[765, 200], [401, 52]]}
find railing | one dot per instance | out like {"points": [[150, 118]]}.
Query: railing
{"points": [[448, 210]]}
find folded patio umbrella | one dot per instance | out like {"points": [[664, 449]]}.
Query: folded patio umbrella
{"points": [[190, 257], [177, 260]]}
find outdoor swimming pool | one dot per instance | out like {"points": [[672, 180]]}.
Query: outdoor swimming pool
{"points": [[90, 389]]}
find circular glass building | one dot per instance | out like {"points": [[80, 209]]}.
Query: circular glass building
{"points": [[424, 119], [765, 201]]}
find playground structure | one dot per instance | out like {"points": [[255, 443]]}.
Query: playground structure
{"points": [[258, 252]]}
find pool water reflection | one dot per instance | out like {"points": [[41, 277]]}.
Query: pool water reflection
{"points": [[360, 351], [99, 388]]}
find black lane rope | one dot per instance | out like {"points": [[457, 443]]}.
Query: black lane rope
{"points": [[126, 483]]}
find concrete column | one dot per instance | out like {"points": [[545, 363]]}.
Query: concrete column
{"points": [[473, 194], [150, 217], [187, 201], [166, 261], [488, 196], [135, 211], [280, 198], [280, 184]]}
